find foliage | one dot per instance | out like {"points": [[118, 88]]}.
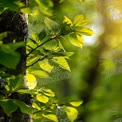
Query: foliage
{"points": [[45, 52]]}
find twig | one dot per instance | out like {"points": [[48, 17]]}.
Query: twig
{"points": [[63, 34], [40, 59], [40, 45]]}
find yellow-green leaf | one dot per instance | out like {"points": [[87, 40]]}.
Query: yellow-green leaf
{"points": [[45, 65], [50, 24], [71, 113], [67, 20], [76, 103], [34, 105], [40, 73], [62, 62], [86, 31], [26, 10], [49, 92], [76, 40], [79, 21], [80, 39], [51, 45], [31, 81], [42, 98], [51, 117], [3, 35]]}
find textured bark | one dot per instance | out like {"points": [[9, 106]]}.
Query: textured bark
{"points": [[14, 23]]}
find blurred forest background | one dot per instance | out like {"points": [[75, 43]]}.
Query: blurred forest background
{"points": [[96, 69]]}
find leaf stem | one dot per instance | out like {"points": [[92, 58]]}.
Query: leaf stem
{"points": [[41, 45], [40, 59]]}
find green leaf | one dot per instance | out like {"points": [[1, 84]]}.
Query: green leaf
{"points": [[72, 113], [26, 10], [85, 31], [31, 81], [27, 91], [8, 106], [16, 45], [76, 40], [3, 35], [62, 54], [12, 5], [42, 35], [79, 21], [67, 20], [32, 59], [9, 57], [42, 98], [40, 73], [45, 65], [62, 62], [34, 105], [51, 45], [51, 117], [50, 24], [24, 107], [76, 103], [49, 92], [17, 83]]}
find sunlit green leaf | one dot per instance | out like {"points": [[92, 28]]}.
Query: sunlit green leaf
{"points": [[34, 105], [85, 31], [40, 73], [45, 65], [26, 10], [67, 20], [72, 113], [62, 62], [76, 103], [51, 117], [42, 98], [27, 91], [51, 45], [49, 92], [80, 39], [50, 24], [79, 21], [62, 54], [31, 60], [76, 40], [31, 81]]}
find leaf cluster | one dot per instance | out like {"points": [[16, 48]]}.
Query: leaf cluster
{"points": [[44, 53]]}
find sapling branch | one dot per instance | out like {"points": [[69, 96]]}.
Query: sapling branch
{"points": [[50, 39], [40, 45], [39, 59], [30, 47]]}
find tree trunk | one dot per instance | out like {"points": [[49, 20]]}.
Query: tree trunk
{"points": [[15, 24]]}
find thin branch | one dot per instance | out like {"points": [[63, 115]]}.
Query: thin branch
{"points": [[33, 41], [63, 34], [30, 47], [40, 45], [40, 59]]}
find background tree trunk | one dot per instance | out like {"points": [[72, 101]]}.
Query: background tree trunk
{"points": [[15, 24]]}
